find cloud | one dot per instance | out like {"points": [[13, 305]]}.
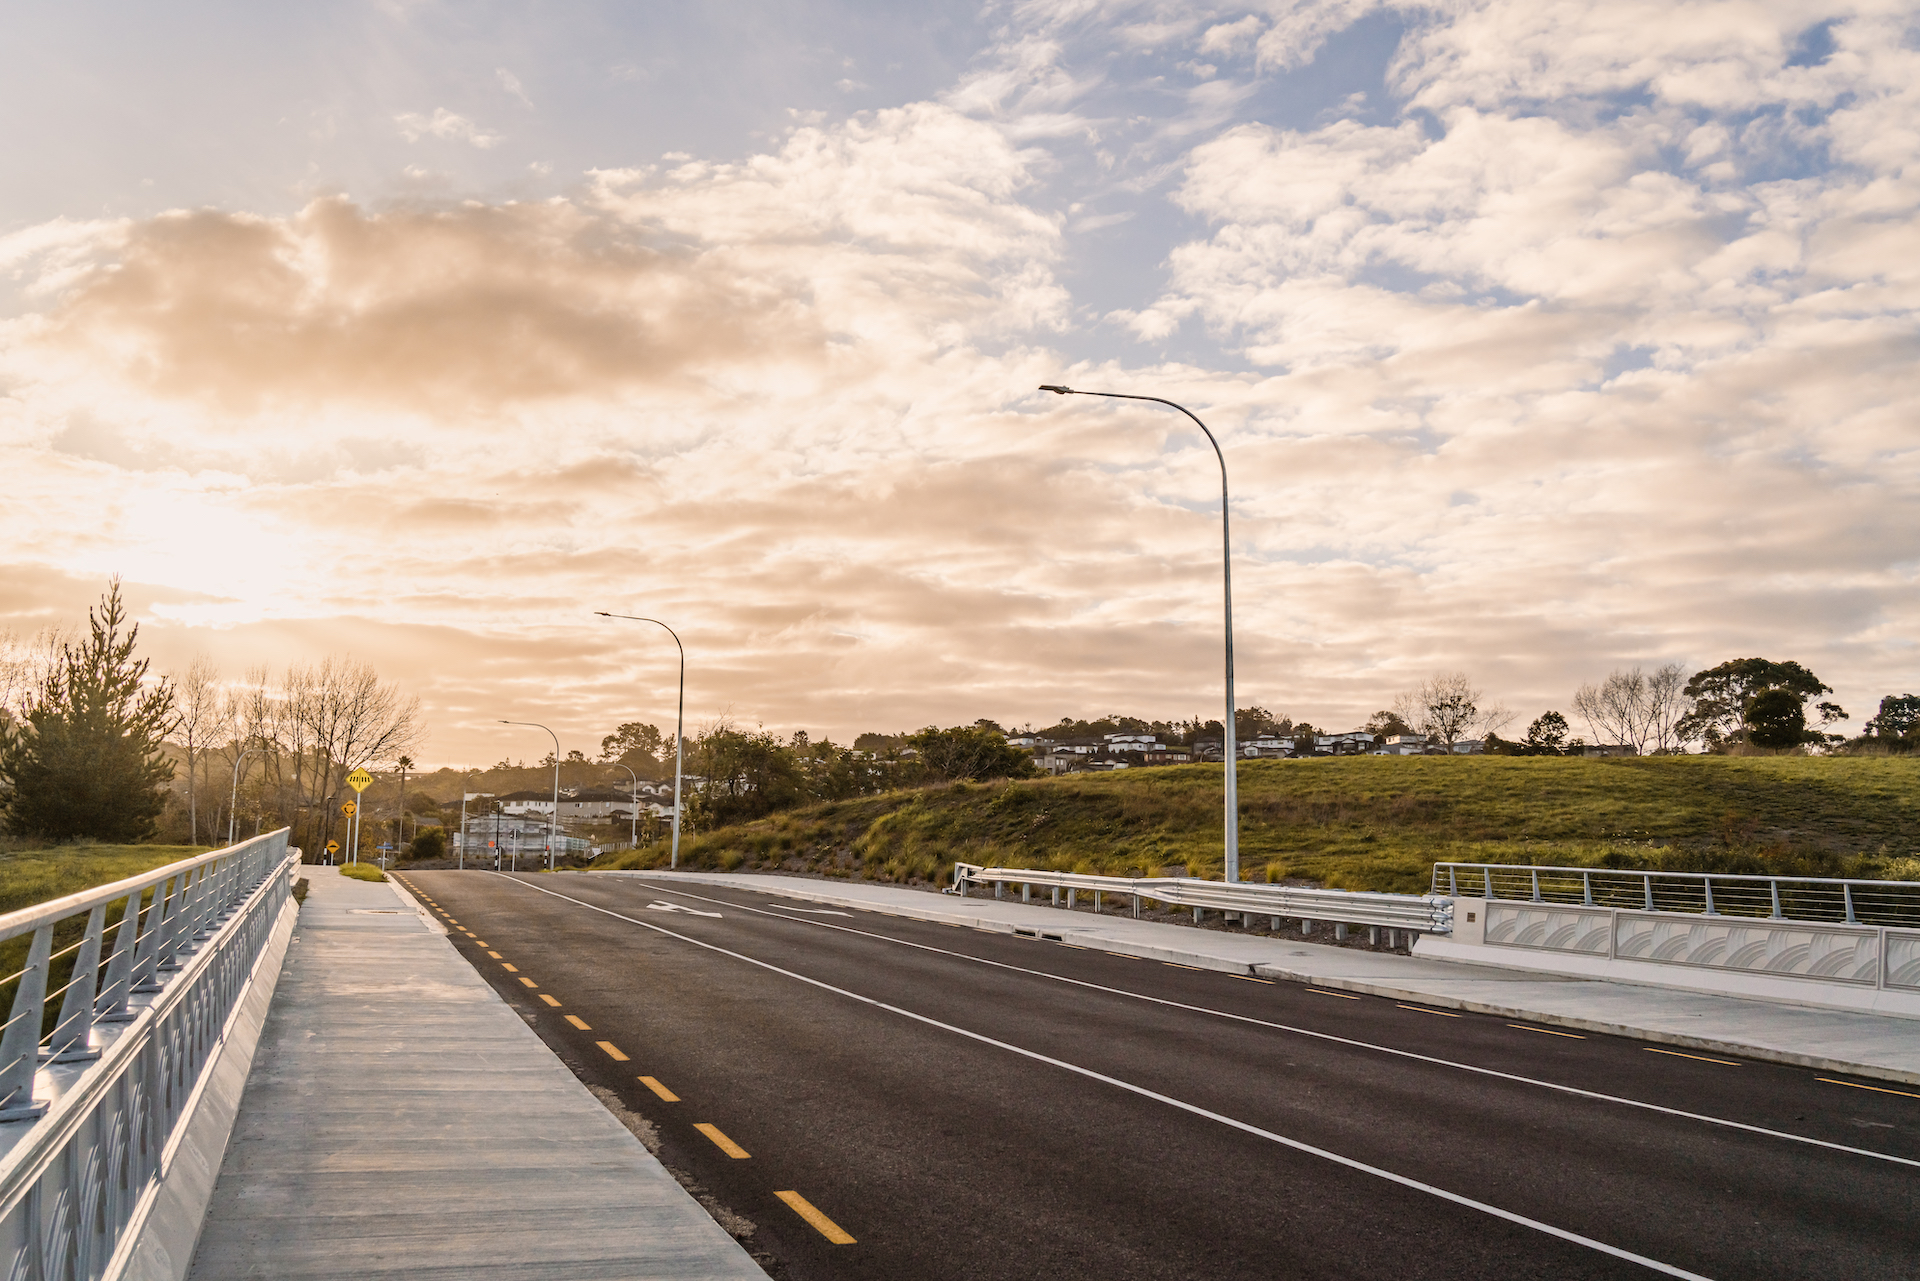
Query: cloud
{"points": [[447, 126], [511, 83]]}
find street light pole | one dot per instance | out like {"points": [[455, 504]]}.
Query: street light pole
{"points": [[634, 838], [234, 801], [1226, 573], [551, 853], [679, 725]]}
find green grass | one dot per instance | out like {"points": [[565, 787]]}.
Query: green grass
{"points": [[1376, 823], [362, 872], [34, 876]]}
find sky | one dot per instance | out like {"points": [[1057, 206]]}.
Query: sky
{"points": [[1541, 338]]}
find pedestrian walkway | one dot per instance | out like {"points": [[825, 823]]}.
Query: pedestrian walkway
{"points": [[1870, 1045], [401, 1121]]}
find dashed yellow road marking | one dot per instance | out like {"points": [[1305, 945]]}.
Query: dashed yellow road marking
{"points": [[1345, 996], [549, 1000], [578, 1022], [509, 967], [527, 981], [613, 1051], [494, 955], [1176, 965], [1571, 1036], [1421, 1009], [1699, 1058], [666, 1095], [1249, 978], [1877, 1089], [1127, 955], [821, 1223], [722, 1142], [483, 943]]}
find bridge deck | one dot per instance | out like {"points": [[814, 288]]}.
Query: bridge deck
{"points": [[401, 1121]]}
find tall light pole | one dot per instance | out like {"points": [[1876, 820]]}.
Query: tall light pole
{"points": [[234, 801], [556, 786], [1226, 571], [634, 838], [679, 724]]}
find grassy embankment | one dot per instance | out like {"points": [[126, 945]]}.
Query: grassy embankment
{"points": [[1363, 823], [36, 876]]}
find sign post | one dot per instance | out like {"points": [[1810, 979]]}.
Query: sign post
{"points": [[359, 781]]}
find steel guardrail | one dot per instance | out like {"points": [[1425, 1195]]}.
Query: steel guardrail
{"points": [[92, 1111], [1424, 913], [1824, 900]]}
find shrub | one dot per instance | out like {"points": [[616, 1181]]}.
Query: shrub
{"points": [[362, 872], [429, 842]]}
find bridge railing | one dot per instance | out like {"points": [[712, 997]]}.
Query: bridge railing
{"points": [[1426, 914], [93, 1097], [1791, 898]]}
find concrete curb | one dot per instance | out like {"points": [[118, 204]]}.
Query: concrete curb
{"points": [[1071, 932]]}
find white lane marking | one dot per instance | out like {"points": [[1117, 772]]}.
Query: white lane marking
{"points": [[819, 911], [1194, 1109], [1334, 1039], [675, 907]]}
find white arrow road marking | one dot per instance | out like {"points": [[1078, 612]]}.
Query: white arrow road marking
{"points": [[675, 907]]}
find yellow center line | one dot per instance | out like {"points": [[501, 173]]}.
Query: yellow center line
{"points": [[1698, 1058], [1421, 1009], [613, 1051], [1176, 965], [578, 1022], [1127, 955], [821, 1223], [483, 943], [527, 981], [666, 1095], [721, 1141], [1571, 1036], [1345, 996], [1877, 1089], [494, 955], [549, 1000], [509, 967], [1249, 978]]}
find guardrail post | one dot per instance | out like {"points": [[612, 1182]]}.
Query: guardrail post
{"points": [[1846, 896], [1648, 878], [1373, 936], [1274, 924], [1488, 873], [1026, 893], [1136, 907], [1198, 915], [19, 1047], [1453, 883], [1340, 930], [1069, 900], [1586, 888], [1306, 926], [1708, 882], [1536, 885], [73, 1034], [1056, 897], [112, 1005], [999, 889], [1775, 887], [1099, 902]]}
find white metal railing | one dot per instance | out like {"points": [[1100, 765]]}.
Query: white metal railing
{"points": [[1791, 898], [1426, 914], [92, 1108]]}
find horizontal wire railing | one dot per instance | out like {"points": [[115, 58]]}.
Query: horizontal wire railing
{"points": [[1792, 898]]}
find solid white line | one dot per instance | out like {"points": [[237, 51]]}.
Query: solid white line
{"points": [[1417, 1057], [1195, 1110]]}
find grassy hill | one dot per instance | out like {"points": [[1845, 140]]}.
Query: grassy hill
{"points": [[1375, 823]]}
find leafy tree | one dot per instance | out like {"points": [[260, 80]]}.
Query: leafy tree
{"points": [[1775, 718], [969, 752], [1898, 721], [429, 842], [87, 761], [639, 747], [1385, 724], [1547, 736], [1722, 694]]}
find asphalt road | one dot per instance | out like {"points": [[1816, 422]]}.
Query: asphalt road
{"points": [[976, 1105]]}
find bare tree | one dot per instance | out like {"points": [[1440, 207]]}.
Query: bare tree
{"points": [[1446, 706], [1635, 709], [197, 697], [343, 716], [27, 666]]}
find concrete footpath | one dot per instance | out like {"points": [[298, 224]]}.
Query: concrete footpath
{"points": [[402, 1121], [1869, 1045]]}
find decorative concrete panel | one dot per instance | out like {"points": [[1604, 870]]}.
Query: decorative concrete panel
{"points": [[1751, 946], [1552, 927], [1903, 959]]}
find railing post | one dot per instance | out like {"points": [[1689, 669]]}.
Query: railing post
{"points": [[1648, 877], [20, 1045], [1488, 873], [112, 1005], [1586, 888], [171, 921], [146, 956], [1536, 885], [1774, 885], [73, 1034], [1453, 882], [1846, 895], [1708, 882]]}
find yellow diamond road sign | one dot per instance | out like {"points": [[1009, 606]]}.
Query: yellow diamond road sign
{"points": [[348, 809], [333, 847], [360, 780]]}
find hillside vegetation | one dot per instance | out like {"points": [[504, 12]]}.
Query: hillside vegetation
{"points": [[1372, 823]]}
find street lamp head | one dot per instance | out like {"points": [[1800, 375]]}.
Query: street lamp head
{"points": [[1058, 391]]}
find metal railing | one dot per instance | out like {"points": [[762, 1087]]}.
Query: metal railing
{"points": [[92, 1109], [1791, 898], [1426, 914]]}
